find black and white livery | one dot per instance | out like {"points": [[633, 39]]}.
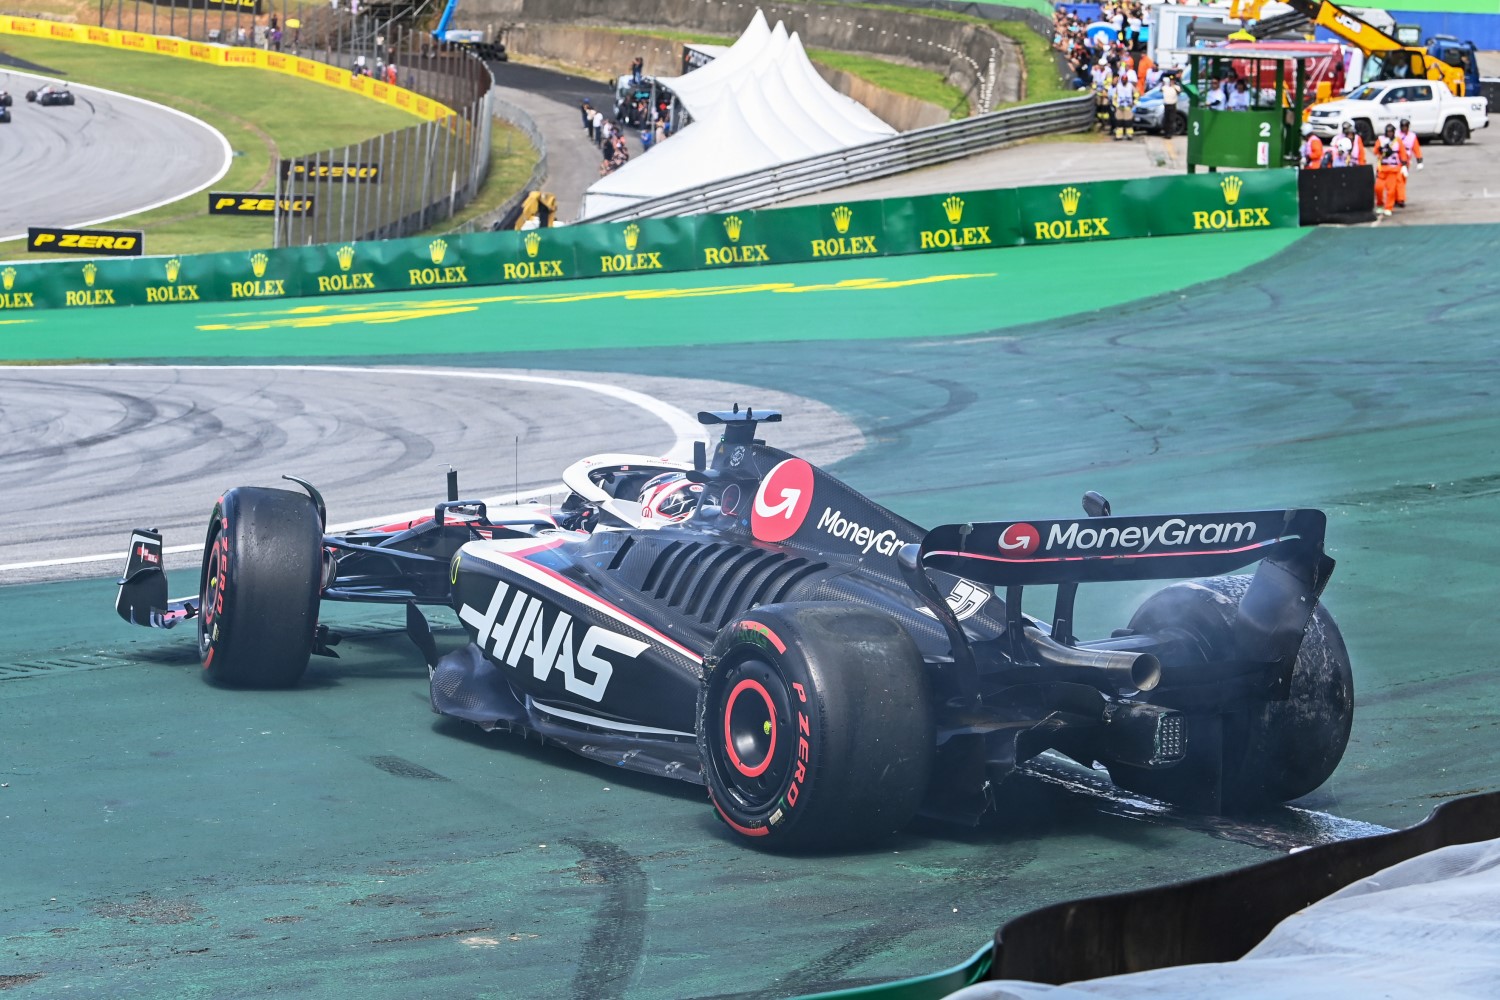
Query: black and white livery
{"points": [[828, 669], [51, 94]]}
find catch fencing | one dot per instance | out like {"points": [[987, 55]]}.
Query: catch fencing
{"points": [[393, 185]]}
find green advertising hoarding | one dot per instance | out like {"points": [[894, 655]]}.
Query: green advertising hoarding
{"points": [[967, 220]]}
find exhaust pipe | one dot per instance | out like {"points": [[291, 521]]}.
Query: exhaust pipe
{"points": [[1123, 670]]}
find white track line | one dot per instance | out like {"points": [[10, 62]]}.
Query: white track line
{"points": [[223, 144], [685, 430]]}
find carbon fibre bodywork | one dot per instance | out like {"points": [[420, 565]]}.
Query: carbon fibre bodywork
{"points": [[597, 640]]}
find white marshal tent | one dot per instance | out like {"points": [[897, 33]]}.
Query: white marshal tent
{"points": [[758, 105]]}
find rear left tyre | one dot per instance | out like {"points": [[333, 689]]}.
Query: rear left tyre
{"points": [[1273, 751], [815, 726], [259, 588]]}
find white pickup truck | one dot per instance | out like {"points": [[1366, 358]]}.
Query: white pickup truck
{"points": [[1430, 105]]}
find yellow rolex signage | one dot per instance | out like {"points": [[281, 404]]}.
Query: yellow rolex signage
{"points": [[542, 258], [632, 259], [633, 251], [89, 295], [847, 241], [1232, 215], [444, 270], [172, 291], [1075, 212], [963, 231], [257, 286], [346, 279], [10, 296], [732, 250]]}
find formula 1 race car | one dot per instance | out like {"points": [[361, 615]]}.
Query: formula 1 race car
{"points": [[50, 94], [825, 667]]}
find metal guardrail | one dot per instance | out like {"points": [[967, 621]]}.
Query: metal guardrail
{"points": [[909, 151]]}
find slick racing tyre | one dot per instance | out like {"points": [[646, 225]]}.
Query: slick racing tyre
{"points": [[31, 96], [1275, 751], [262, 568], [815, 726]]}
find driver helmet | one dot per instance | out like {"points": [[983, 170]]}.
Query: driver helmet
{"points": [[669, 497]]}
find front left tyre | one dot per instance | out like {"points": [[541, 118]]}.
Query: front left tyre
{"points": [[259, 587], [815, 726]]}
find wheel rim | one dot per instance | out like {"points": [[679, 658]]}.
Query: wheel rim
{"points": [[750, 728], [211, 590], [752, 754]]}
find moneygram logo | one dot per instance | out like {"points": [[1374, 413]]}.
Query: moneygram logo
{"points": [[1019, 540], [782, 502], [865, 539], [1174, 532]]}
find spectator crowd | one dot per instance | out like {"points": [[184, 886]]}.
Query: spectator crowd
{"points": [[632, 110]]}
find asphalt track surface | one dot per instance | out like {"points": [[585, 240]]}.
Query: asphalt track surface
{"points": [[104, 157], [149, 446], [168, 838]]}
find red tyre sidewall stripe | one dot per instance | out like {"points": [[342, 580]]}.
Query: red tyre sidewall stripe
{"points": [[749, 831], [763, 630]]}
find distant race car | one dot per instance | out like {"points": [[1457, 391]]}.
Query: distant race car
{"points": [[50, 94], [825, 667]]}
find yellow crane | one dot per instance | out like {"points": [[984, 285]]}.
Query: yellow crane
{"points": [[1385, 57]]}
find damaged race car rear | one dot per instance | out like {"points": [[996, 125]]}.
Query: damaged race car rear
{"points": [[828, 669]]}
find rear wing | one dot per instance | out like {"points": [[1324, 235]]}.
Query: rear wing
{"points": [[1288, 544], [1157, 547]]}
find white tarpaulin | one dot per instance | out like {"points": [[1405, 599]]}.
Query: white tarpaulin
{"points": [[762, 103]]}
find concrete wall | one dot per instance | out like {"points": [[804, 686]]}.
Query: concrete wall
{"points": [[982, 63], [608, 54]]}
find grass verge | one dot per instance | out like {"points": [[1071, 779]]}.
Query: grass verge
{"points": [[264, 116], [912, 81], [1043, 82]]}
